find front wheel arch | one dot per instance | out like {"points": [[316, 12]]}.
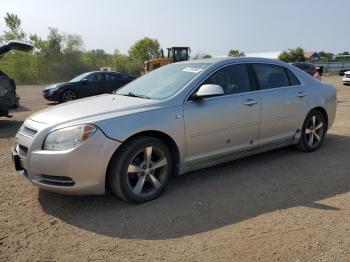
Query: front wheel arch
{"points": [[168, 140]]}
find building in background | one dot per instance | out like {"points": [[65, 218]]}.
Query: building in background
{"points": [[311, 56]]}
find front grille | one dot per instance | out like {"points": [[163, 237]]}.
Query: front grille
{"points": [[29, 131], [55, 180]]}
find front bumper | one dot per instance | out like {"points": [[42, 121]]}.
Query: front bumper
{"points": [[51, 96], [81, 170], [346, 81]]}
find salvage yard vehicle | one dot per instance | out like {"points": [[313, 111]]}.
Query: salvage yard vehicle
{"points": [[342, 72], [182, 117], [308, 68], [8, 97], [346, 78], [87, 84]]}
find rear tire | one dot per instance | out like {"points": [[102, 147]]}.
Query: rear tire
{"points": [[68, 95], [140, 170], [313, 132]]}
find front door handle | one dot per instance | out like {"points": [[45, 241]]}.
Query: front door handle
{"points": [[301, 94], [250, 102]]}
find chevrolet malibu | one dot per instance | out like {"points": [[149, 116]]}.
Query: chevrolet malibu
{"points": [[179, 118]]}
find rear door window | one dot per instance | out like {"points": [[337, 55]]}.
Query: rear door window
{"points": [[100, 77], [271, 76], [111, 77]]}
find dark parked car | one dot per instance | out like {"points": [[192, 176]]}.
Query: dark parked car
{"points": [[308, 68], [8, 97], [342, 71], [87, 84]]}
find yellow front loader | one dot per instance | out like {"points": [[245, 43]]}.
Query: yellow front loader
{"points": [[175, 54]]}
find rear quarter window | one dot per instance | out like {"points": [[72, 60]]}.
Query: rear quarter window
{"points": [[294, 81]]}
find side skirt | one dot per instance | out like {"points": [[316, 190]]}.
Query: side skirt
{"points": [[238, 155]]}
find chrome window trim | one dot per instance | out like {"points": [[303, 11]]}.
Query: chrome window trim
{"points": [[258, 90]]}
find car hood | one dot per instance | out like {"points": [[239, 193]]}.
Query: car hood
{"points": [[97, 107], [58, 85]]}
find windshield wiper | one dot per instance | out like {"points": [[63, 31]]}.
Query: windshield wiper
{"points": [[135, 95]]}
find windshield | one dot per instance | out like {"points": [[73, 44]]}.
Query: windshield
{"points": [[163, 82], [79, 77]]}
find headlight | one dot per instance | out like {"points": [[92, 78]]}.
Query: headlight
{"points": [[52, 87], [51, 90], [69, 137]]}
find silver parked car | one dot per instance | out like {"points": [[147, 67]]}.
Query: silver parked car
{"points": [[179, 118]]}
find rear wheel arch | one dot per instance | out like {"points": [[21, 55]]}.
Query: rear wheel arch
{"points": [[322, 111], [69, 90]]}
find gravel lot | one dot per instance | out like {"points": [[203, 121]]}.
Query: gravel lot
{"points": [[277, 206]]}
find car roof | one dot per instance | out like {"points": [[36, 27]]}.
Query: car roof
{"points": [[228, 60], [302, 63], [223, 61], [102, 72]]}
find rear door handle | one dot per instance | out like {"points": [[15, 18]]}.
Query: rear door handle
{"points": [[250, 102], [301, 94]]}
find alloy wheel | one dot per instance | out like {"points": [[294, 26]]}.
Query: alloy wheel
{"points": [[147, 171], [314, 131], [68, 95]]}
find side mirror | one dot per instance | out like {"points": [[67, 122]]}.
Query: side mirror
{"points": [[84, 81], [208, 90]]}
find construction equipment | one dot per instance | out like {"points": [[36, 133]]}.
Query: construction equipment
{"points": [[175, 54]]}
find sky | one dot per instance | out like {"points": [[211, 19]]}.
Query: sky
{"points": [[208, 26]]}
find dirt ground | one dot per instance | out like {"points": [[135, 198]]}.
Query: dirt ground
{"points": [[277, 206]]}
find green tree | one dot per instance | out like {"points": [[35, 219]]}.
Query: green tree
{"points": [[285, 57], [61, 56], [292, 55], [201, 55], [207, 56], [235, 53], [95, 59], [326, 56], [145, 49], [14, 32], [124, 64]]}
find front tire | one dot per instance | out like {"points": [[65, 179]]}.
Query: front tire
{"points": [[313, 132], [140, 171]]}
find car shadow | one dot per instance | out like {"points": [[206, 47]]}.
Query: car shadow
{"points": [[9, 127], [21, 109], [215, 197]]}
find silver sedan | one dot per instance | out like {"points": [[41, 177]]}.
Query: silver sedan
{"points": [[179, 118]]}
